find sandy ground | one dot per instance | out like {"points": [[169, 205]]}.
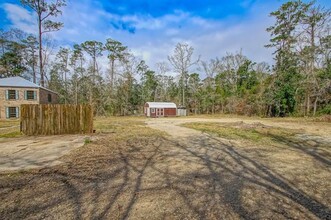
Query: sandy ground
{"points": [[35, 152], [185, 175]]}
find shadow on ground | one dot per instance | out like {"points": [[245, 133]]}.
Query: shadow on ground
{"points": [[157, 178]]}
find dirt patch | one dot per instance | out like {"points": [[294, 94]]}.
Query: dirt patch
{"points": [[133, 172], [36, 152]]}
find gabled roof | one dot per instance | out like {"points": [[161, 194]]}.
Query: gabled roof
{"points": [[161, 105], [18, 81]]}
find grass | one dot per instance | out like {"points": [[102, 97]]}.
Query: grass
{"points": [[10, 129], [319, 119], [11, 134], [121, 128], [241, 131], [87, 140], [9, 123], [127, 172], [124, 128]]}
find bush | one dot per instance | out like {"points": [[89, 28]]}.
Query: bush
{"points": [[326, 110]]}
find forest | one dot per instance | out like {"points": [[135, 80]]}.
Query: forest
{"points": [[298, 83]]}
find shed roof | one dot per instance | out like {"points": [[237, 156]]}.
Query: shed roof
{"points": [[18, 81], [161, 105]]}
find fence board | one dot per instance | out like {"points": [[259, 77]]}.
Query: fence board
{"points": [[53, 119]]}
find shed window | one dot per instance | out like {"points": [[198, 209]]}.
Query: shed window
{"points": [[30, 95], [49, 98], [12, 112], [11, 94], [152, 110]]}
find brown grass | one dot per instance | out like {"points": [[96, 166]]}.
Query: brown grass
{"points": [[9, 128], [130, 171], [9, 123], [256, 132]]}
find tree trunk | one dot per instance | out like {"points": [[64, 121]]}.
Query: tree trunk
{"points": [[33, 68], [183, 91], [42, 82], [308, 105], [315, 105], [112, 75], [76, 95]]}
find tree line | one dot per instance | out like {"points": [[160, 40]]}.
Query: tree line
{"points": [[299, 83]]}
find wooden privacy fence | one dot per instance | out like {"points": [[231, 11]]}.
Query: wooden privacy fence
{"points": [[56, 119]]}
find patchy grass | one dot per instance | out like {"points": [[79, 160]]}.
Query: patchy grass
{"points": [[9, 123], [255, 132], [10, 128], [320, 119], [130, 171], [11, 134], [124, 128]]}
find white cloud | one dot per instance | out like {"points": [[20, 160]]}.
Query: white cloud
{"points": [[20, 17], [156, 37]]}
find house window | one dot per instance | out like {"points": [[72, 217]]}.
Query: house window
{"points": [[12, 112], [49, 98], [152, 110], [12, 94], [30, 95]]}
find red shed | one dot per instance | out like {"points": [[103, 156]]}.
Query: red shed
{"points": [[160, 109]]}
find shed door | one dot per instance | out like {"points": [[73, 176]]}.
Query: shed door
{"points": [[160, 112]]}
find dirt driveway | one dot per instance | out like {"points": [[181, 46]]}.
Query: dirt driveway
{"points": [[237, 172], [35, 152]]}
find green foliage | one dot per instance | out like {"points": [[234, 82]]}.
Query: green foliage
{"points": [[87, 140], [11, 55], [325, 110]]}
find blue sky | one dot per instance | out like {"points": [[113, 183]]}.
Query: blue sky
{"points": [[151, 29]]}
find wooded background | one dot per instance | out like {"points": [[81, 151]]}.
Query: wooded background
{"points": [[299, 83]]}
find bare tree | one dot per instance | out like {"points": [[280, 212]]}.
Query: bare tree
{"points": [[315, 22], [161, 91], [181, 60], [211, 68]]}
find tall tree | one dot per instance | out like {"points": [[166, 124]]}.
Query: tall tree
{"points": [[181, 60], [62, 58], [94, 49], [115, 52], [44, 11], [315, 25], [284, 37], [12, 53], [77, 60], [31, 46]]}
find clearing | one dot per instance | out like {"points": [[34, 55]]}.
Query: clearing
{"points": [[182, 168]]}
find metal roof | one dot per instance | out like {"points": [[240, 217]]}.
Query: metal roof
{"points": [[161, 105], [18, 81]]}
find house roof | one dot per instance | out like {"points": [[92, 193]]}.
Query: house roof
{"points": [[18, 81], [161, 105]]}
